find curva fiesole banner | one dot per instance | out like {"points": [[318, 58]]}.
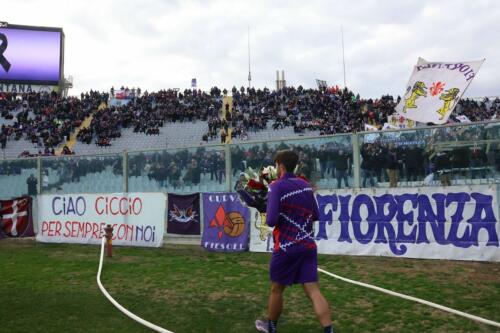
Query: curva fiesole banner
{"points": [[226, 223], [137, 218], [459, 223]]}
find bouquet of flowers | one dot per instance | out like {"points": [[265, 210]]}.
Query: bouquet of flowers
{"points": [[252, 186]]}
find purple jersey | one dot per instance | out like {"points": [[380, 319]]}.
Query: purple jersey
{"points": [[292, 210]]}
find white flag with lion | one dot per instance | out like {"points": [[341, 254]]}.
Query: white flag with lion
{"points": [[435, 88]]}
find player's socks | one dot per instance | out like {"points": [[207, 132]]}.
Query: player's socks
{"points": [[328, 329], [271, 325]]}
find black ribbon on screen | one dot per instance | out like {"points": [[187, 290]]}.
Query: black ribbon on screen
{"points": [[3, 61]]}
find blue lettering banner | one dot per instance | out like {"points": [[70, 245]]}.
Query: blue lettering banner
{"points": [[458, 223]]}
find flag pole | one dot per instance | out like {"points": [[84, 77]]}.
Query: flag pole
{"points": [[343, 54], [249, 73]]}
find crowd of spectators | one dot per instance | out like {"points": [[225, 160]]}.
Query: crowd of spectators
{"points": [[47, 120], [316, 160], [15, 167], [148, 112], [329, 111], [409, 156], [170, 169], [443, 153], [44, 119], [180, 168], [478, 110]]}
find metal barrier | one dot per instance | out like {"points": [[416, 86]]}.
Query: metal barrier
{"points": [[473, 149]]}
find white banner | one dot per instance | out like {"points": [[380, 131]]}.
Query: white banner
{"points": [[434, 89], [370, 128], [260, 233], [26, 88], [397, 121], [137, 218], [459, 223], [463, 119]]}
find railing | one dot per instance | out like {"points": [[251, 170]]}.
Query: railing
{"points": [[441, 155]]}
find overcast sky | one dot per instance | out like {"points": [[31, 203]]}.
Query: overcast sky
{"points": [[158, 44]]}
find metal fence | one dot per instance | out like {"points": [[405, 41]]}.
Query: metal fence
{"points": [[455, 154]]}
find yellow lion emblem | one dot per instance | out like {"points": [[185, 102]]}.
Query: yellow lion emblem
{"points": [[448, 97], [418, 90], [264, 229]]}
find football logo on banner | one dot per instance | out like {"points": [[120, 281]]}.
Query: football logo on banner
{"points": [[232, 224], [226, 223], [435, 88]]}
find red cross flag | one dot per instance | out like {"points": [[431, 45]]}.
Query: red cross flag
{"points": [[15, 218]]}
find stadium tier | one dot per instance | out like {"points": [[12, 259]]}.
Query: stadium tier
{"points": [[176, 141], [42, 124]]}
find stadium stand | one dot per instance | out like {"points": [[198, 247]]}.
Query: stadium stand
{"points": [[159, 131], [41, 124], [170, 135]]}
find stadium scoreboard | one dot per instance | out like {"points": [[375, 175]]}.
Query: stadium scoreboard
{"points": [[30, 55]]}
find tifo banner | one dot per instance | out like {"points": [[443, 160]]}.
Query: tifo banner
{"points": [[15, 218], [183, 214], [463, 119], [226, 223], [123, 94], [137, 218], [369, 128], [434, 89], [459, 223], [261, 235], [398, 121]]}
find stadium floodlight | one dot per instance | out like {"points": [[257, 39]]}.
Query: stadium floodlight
{"points": [[249, 71]]}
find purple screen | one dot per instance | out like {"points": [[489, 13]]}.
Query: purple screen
{"points": [[32, 55]]}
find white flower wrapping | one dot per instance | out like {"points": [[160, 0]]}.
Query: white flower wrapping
{"points": [[252, 186], [269, 174]]}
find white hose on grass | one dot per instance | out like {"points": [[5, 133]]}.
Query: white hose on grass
{"points": [[118, 306], [362, 284], [414, 299]]}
